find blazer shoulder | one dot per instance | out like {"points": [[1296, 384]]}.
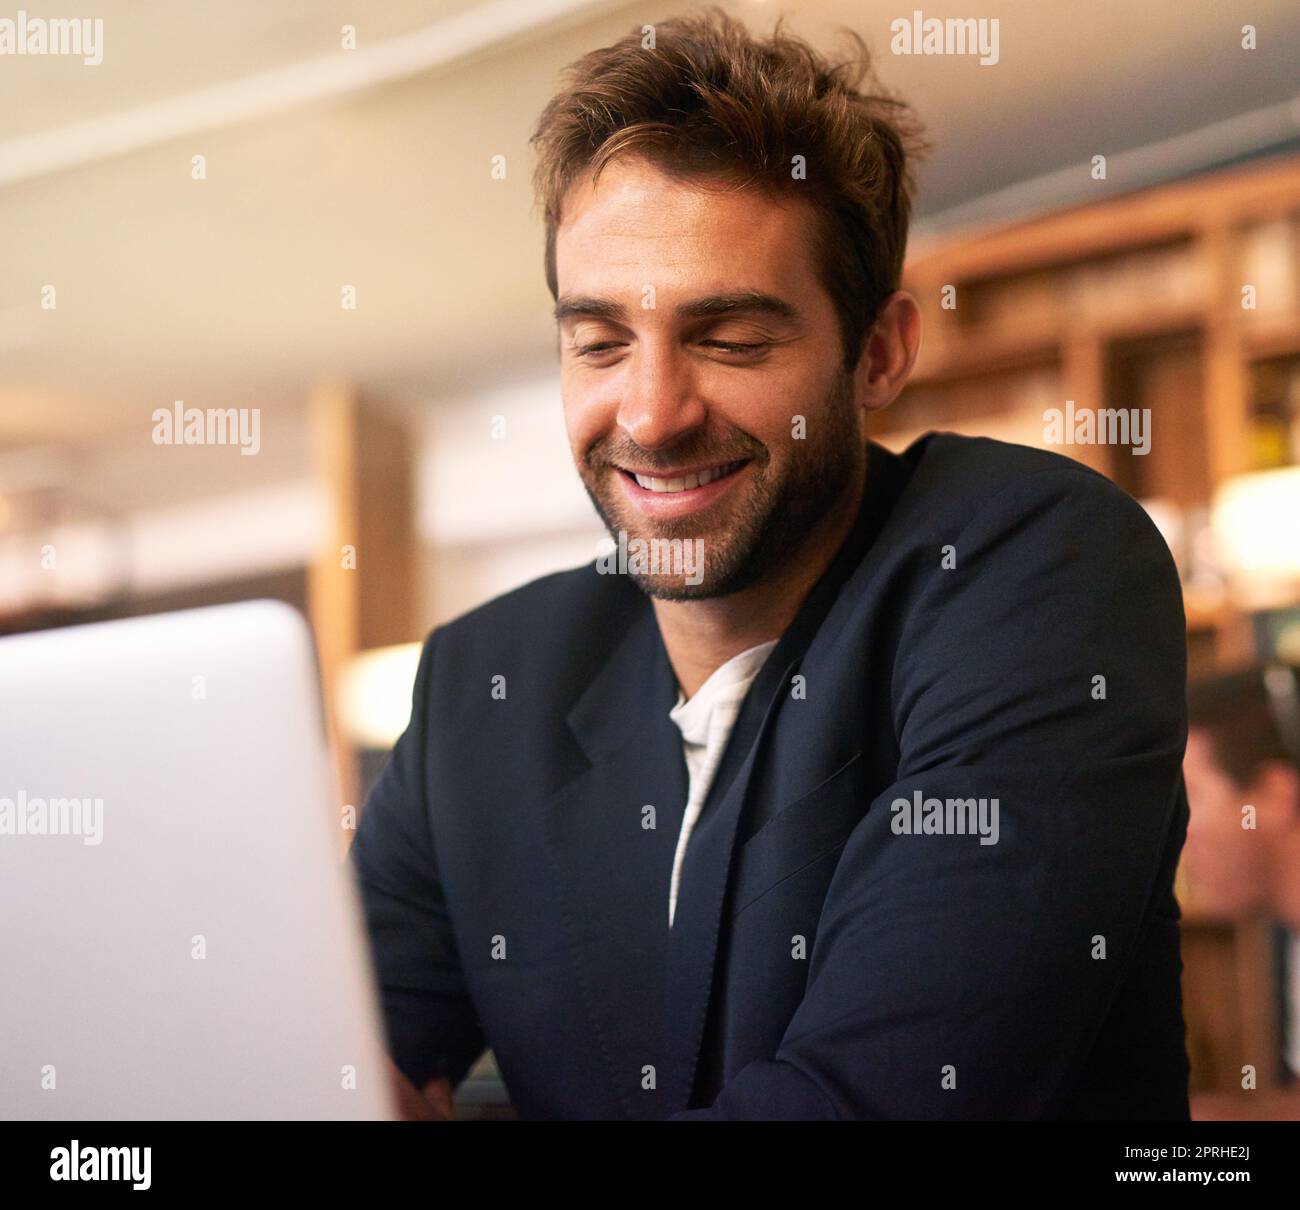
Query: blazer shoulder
{"points": [[963, 476], [981, 461]]}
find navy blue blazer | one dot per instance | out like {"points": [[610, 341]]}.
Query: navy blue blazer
{"points": [[1001, 624]]}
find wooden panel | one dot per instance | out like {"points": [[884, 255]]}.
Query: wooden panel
{"points": [[388, 610], [332, 587], [1229, 1003], [1166, 376], [362, 583], [1227, 377], [1083, 379]]}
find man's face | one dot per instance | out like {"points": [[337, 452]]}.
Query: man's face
{"points": [[694, 335], [1233, 870], [1223, 861]]}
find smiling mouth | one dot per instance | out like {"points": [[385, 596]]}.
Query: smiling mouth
{"points": [[671, 485]]}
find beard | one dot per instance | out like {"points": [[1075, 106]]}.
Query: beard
{"points": [[759, 526]]}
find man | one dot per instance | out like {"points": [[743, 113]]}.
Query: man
{"points": [[871, 810], [1243, 839]]}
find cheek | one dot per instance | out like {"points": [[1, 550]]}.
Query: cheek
{"points": [[586, 413], [763, 405]]}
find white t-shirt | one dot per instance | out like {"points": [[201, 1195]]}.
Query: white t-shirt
{"points": [[705, 723]]}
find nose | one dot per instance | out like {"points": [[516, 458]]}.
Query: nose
{"points": [[659, 403]]}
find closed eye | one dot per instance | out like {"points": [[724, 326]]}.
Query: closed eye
{"points": [[734, 346]]}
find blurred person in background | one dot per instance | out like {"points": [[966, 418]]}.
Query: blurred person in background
{"points": [[1242, 855]]}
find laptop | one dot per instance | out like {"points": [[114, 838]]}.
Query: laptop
{"points": [[179, 936]]}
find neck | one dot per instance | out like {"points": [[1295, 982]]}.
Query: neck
{"points": [[701, 636]]}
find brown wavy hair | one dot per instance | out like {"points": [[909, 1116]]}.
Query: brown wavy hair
{"points": [[711, 101]]}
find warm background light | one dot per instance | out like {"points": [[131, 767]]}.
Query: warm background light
{"points": [[374, 698], [1256, 521]]}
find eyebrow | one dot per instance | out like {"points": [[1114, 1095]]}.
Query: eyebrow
{"points": [[737, 302]]}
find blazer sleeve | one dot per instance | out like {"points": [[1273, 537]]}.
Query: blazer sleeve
{"points": [[429, 1019], [951, 978]]}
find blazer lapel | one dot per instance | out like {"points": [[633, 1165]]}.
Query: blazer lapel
{"points": [[693, 943], [706, 871], [612, 871]]}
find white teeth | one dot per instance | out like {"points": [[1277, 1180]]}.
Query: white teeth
{"points": [[686, 482]]}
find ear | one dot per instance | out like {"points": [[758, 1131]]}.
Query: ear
{"points": [[889, 353]]}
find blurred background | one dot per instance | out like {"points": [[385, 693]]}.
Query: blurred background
{"points": [[320, 214]]}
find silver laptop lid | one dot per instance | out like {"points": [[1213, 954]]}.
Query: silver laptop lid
{"points": [[178, 935]]}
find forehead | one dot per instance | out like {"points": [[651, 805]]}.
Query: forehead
{"points": [[636, 226]]}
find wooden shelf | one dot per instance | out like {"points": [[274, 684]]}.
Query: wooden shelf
{"points": [[985, 352], [1134, 302], [1274, 336], [1181, 210]]}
